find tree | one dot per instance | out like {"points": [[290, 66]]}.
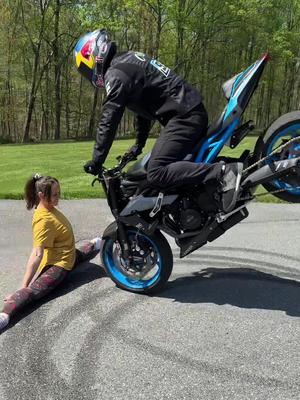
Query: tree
{"points": [[37, 20]]}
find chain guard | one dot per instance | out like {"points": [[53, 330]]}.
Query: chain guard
{"points": [[288, 151]]}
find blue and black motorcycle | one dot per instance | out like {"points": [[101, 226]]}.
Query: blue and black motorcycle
{"points": [[135, 253]]}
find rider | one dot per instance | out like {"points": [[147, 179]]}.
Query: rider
{"points": [[153, 92]]}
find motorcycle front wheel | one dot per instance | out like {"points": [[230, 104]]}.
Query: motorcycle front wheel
{"points": [[280, 131], [152, 261]]}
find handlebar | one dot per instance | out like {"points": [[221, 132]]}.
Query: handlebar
{"points": [[124, 160], [110, 172]]}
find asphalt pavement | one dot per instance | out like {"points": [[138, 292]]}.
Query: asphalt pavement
{"points": [[226, 327]]}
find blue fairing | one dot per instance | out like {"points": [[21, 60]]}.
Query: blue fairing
{"points": [[233, 101], [242, 90], [214, 144]]}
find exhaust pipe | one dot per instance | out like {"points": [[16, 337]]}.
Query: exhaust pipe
{"points": [[277, 169]]}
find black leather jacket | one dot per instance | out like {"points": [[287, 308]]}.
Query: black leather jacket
{"points": [[146, 87]]}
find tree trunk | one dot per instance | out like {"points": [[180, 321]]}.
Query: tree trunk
{"points": [[31, 101], [47, 105], [158, 28], [179, 56], [91, 128], [271, 81], [35, 81], [79, 109], [282, 99], [67, 102], [57, 71], [290, 87]]}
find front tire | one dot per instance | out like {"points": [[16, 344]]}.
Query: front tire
{"points": [[284, 128], [153, 261]]}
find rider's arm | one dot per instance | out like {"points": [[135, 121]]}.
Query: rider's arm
{"points": [[32, 265], [112, 113], [143, 126], [43, 237]]}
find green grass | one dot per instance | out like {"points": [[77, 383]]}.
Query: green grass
{"points": [[65, 162]]}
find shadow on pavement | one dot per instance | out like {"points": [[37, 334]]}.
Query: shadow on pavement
{"points": [[84, 273], [239, 287]]}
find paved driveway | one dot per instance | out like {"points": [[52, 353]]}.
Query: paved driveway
{"points": [[226, 327]]}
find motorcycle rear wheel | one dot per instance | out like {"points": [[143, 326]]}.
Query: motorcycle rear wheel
{"points": [[153, 261], [284, 128]]}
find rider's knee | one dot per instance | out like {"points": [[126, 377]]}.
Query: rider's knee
{"points": [[154, 176]]}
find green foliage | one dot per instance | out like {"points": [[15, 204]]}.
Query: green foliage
{"points": [[64, 161], [206, 41]]}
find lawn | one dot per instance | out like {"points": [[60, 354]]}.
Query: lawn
{"points": [[64, 161]]}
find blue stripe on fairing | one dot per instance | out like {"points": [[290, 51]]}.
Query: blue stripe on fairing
{"points": [[215, 147], [278, 183], [233, 99], [240, 77], [231, 106], [124, 280]]}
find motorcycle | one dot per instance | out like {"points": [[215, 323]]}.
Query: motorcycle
{"points": [[134, 252]]}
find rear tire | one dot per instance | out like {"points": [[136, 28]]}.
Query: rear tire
{"points": [[285, 127], [159, 252]]}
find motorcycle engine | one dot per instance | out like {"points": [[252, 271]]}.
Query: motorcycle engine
{"points": [[190, 215], [191, 219]]}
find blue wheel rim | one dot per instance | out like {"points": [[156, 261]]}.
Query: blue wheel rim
{"points": [[123, 279], [292, 131]]}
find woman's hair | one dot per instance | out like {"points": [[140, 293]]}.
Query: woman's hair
{"points": [[35, 184]]}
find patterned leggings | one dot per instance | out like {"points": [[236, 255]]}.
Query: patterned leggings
{"points": [[48, 279]]}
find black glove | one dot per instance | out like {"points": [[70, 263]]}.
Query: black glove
{"points": [[92, 168], [135, 150]]}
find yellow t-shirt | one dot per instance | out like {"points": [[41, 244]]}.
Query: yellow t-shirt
{"points": [[53, 231]]}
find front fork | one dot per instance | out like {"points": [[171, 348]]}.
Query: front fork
{"points": [[111, 186]]}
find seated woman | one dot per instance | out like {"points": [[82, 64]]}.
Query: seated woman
{"points": [[53, 255]]}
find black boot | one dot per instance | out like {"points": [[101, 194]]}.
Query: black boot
{"points": [[230, 183]]}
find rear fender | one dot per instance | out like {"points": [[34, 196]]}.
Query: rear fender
{"points": [[258, 149]]}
